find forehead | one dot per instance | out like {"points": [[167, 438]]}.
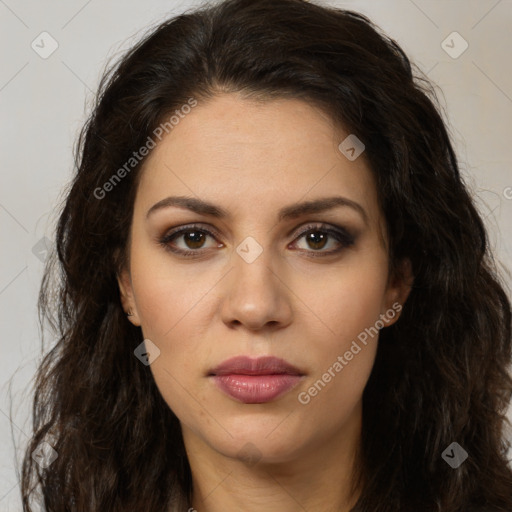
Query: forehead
{"points": [[229, 127], [266, 153]]}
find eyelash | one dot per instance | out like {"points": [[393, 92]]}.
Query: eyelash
{"points": [[342, 236]]}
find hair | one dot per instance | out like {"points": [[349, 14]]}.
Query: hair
{"points": [[441, 372]]}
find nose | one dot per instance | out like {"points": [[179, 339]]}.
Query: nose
{"points": [[256, 295]]}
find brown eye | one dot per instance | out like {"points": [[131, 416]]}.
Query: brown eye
{"points": [[317, 238], [189, 241], [194, 239]]}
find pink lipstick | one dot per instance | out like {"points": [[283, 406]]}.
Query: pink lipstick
{"points": [[255, 381]]}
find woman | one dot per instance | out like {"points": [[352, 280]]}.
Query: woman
{"points": [[274, 290]]}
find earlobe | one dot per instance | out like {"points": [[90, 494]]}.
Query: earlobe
{"points": [[127, 297], [398, 291]]}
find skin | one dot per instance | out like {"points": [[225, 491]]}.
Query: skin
{"points": [[252, 159]]}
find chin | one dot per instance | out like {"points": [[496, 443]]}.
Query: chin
{"points": [[257, 442]]}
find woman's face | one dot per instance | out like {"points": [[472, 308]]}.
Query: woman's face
{"points": [[260, 269]]}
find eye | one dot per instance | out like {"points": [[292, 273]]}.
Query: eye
{"points": [[190, 239], [318, 237]]}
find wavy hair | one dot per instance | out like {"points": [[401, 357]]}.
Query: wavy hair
{"points": [[441, 372]]}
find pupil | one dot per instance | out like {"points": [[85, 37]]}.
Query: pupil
{"points": [[317, 239], [194, 239]]}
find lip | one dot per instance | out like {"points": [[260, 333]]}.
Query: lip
{"points": [[255, 381]]}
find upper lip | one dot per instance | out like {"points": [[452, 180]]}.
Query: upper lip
{"points": [[244, 365]]}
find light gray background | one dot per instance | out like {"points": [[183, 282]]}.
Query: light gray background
{"points": [[43, 103]]}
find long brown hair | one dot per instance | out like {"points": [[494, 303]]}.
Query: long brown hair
{"points": [[440, 375]]}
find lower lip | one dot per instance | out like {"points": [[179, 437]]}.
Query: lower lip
{"points": [[256, 389]]}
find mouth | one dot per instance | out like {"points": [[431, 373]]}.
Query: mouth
{"points": [[255, 381]]}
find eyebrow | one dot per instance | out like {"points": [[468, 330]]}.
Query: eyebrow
{"points": [[288, 212]]}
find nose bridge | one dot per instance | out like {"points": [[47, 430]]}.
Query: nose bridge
{"points": [[254, 278], [255, 296], [254, 264]]}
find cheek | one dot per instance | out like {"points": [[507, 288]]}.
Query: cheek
{"points": [[168, 295], [349, 300], [174, 308], [349, 308], [172, 316], [360, 304], [177, 320]]}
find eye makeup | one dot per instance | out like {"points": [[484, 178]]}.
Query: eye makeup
{"points": [[314, 233]]}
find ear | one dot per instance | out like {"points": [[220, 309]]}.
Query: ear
{"points": [[398, 289], [127, 298]]}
